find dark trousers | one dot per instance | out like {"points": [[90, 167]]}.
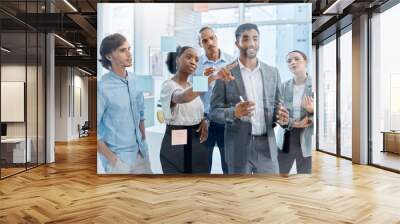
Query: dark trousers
{"points": [[181, 159], [216, 137], [291, 152]]}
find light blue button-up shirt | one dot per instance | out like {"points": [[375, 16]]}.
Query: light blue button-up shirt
{"points": [[120, 108], [204, 63]]}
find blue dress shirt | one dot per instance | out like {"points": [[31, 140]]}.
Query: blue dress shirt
{"points": [[120, 108], [204, 63]]}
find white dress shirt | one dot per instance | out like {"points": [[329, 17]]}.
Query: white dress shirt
{"points": [[298, 91], [253, 84]]}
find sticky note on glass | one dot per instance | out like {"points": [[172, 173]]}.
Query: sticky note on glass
{"points": [[168, 44], [144, 83], [200, 83], [179, 137]]}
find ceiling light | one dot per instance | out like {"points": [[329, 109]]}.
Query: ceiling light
{"points": [[65, 41], [84, 71], [70, 5], [337, 7], [5, 50]]}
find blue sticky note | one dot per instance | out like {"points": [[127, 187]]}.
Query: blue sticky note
{"points": [[144, 83], [200, 83], [168, 44]]}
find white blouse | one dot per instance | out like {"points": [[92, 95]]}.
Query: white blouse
{"points": [[298, 92], [185, 114]]}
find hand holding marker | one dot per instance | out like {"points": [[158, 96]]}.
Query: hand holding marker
{"points": [[244, 108]]}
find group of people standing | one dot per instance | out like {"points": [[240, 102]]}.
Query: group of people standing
{"points": [[245, 101]]}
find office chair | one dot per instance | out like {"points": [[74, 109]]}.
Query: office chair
{"points": [[84, 130]]}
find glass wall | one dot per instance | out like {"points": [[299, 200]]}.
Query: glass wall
{"points": [[346, 93], [283, 28], [22, 91], [329, 111], [13, 112], [327, 96], [385, 89]]}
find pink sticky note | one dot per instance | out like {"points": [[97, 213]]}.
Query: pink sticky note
{"points": [[179, 137]]}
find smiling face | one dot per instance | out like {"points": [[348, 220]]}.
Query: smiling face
{"points": [[248, 43], [187, 61], [296, 62], [122, 56]]}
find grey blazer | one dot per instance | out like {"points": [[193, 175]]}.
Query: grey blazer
{"points": [[305, 133], [237, 132]]}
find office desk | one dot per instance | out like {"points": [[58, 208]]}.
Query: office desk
{"points": [[13, 150], [391, 141]]}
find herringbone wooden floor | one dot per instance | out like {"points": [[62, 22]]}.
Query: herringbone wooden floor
{"points": [[70, 191]]}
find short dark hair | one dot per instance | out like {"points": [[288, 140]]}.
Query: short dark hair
{"points": [[205, 28], [171, 58], [245, 27], [300, 52], [109, 44], [201, 30]]}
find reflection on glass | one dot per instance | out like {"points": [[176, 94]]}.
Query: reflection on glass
{"points": [[276, 41], [327, 97], [13, 87], [346, 94]]}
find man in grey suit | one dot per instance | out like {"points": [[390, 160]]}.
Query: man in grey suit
{"points": [[249, 106]]}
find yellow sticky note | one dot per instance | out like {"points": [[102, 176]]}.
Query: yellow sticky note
{"points": [[179, 137]]}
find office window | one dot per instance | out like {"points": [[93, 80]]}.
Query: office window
{"points": [[294, 12], [327, 97], [385, 89], [220, 16], [226, 37], [346, 94], [286, 22], [112, 22], [224, 23]]}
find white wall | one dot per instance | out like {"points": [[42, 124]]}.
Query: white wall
{"points": [[33, 126], [67, 115], [16, 72]]}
